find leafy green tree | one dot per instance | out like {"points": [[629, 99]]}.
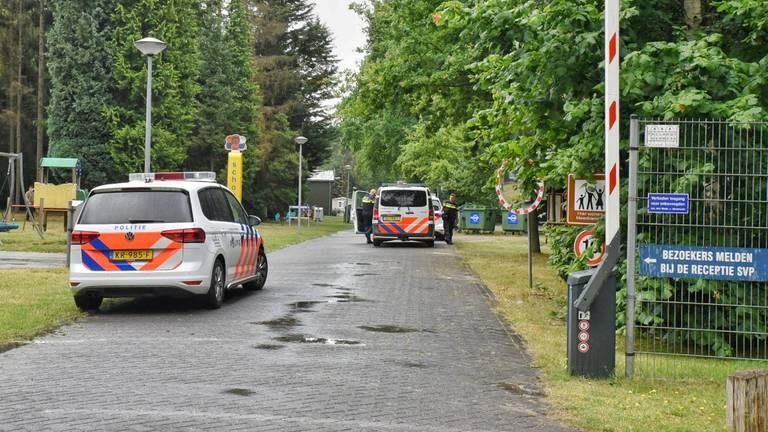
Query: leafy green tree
{"points": [[175, 85], [81, 85], [229, 96]]}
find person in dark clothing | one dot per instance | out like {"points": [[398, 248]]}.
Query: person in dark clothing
{"points": [[367, 221], [450, 215]]}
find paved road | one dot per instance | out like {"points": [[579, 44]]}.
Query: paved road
{"points": [[31, 260], [344, 337]]}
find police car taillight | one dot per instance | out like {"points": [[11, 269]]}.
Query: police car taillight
{"points": [[205, 176], [83, 237], [375, 213], [431, 214], [193, 235]]}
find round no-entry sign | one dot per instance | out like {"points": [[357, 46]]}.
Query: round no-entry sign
{"points": [[583, 243]]}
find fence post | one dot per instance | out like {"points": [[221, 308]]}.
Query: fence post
{"points": [[747, 401], [634, 140]]}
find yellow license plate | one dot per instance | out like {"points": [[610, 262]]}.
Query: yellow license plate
{"points": [[392, 218], [132, 255]]}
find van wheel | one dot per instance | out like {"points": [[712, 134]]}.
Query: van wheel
{"points": [[88, 303], [261, 274], [376, 243], [215, 295], [430, 243]]}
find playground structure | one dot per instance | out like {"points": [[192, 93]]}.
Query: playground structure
{"points": [[15, 179], [55, 198]]}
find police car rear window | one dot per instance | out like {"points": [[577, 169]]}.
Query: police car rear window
{"points": [[137, 206], [403, 198]]}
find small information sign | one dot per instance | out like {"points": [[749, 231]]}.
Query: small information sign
{"points": [[512, 218], [586, 199], [662, 135], [474, 218], [704, 262], [668, 203]]}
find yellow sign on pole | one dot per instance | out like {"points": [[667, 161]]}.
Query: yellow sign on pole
{"points": [[235, 144], [235, 174]]}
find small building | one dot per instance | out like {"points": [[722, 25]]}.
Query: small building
{"points": [[339, 204], [320, 185]]}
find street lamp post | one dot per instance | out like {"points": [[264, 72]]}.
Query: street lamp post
{"points": [[347, 205], [300, 140], [150, 47]]}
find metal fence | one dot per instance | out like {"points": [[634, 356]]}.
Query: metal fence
{"points": [[697, 255]]}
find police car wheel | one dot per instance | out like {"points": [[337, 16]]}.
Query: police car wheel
{"points": [[88, 303], [377, 243], [262, 269], [430, 243], [439, 236], [215, 296]]}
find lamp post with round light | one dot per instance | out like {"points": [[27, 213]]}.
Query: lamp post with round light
{"points": [[150, 47], [300, 140]]}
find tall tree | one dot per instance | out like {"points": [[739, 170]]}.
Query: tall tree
{"points": [[40, 87], [174, 86], [295, 72], [81, 85], [229, 96]]}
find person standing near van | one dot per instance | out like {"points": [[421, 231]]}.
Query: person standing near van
{"points": [[368, 203], [450, 215]]}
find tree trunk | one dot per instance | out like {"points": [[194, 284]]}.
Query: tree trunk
{"points": [[693, 14], [533, 229], [19, 59], [40, 87]]}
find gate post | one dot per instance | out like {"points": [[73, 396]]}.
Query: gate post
{"points": [[634, 140], [747, 401]]}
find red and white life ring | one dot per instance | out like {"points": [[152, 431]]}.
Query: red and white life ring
{"points": [[499, 189]]}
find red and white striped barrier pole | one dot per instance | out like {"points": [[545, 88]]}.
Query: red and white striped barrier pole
{"points": [[612, 202]]}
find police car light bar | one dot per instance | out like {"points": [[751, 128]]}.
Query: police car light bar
{"points": [[204, 176]]}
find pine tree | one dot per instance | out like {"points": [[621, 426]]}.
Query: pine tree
{"points": [[295, 72], [81, 85], [175, 87], [229, 96]]}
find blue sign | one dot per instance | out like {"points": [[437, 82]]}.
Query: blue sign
{"points": [[668, 203], [512, 218], [474, 218], [704, 262]]}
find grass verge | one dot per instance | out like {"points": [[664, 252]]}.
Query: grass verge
{"points": [[36, 301], [693, 401]]}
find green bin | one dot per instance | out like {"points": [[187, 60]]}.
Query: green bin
{"points": [[513, 222], [474, 218]]}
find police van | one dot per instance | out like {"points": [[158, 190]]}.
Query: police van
{"points": [[403, 212], [164, 234]]}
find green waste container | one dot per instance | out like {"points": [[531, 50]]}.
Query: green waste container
{"points": [[513, 222], [474, 218]]}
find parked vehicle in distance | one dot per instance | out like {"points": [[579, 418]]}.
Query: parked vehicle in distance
{"points": [[403, 212], [164, 234], [437, 206]]}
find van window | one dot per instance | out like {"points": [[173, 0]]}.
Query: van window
{"points": [[137, 206], [403, 198]]}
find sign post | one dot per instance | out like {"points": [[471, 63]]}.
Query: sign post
{"points": [[236, 145], [612, 201]]}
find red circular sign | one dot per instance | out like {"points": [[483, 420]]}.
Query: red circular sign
{"points": [[583, 347], [583, 242], [583, 336], [584, 325]]}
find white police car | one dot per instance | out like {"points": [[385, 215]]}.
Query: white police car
{"points": [[164, 234]]}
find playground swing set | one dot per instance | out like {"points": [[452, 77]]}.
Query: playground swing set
{"points": [[15, 179]]}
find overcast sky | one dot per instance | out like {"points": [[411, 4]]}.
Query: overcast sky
{"points": [[347, 29]]}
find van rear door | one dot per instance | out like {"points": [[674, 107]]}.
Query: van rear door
{"points": [[404, 212], [356, 210]]}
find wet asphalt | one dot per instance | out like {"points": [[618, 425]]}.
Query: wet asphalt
{"points": [[344, 337], [10, 260]]}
